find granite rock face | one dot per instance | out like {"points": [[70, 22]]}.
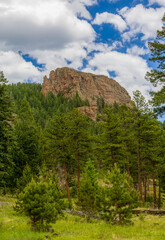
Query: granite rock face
{"points": [[89, 86]]}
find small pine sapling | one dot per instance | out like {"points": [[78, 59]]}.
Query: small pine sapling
{"points": [[88, 189], [119, 197], [42, 201]]}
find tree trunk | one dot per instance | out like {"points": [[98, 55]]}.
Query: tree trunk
{"points": [[154, 190], [159, 201], [66, 182], [78, 172], [139, 168], [145, 188]]}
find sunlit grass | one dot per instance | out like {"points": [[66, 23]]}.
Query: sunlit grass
{"points": [[17, 227]]}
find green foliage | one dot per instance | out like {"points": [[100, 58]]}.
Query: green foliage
{"points": [[25, 179], [28, 148], [43, 107], [88, 189], [112, 138], [41, 201], [157, 76], [6, 133], [119, 197]]}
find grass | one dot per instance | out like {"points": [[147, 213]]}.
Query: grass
{"points": [[16, 227]]}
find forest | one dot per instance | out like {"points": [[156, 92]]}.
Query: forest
{"points": [[47, 135], [53, 158]]}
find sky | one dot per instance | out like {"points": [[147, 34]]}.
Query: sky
{"points": [[107, 37]]}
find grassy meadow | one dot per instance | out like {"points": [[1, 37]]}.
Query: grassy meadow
{"points": [[16, 227]]}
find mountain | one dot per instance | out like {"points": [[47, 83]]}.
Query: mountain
{"points": [[88, 86]]}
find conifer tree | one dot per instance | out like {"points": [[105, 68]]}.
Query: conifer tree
{"points": [[141, 108], [58, 145], [6, 132], [28, 141], [88, 189], [119, 197], [113, 145], [157, 76], [79, 140], [41, 200], [126, 117]]}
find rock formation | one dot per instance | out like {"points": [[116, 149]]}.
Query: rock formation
{"points": [[89, 86]]}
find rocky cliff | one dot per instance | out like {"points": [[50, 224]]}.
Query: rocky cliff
{"points": [[89, 86]]}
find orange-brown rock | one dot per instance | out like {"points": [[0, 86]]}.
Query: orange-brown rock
{"points": [[89, 86]]}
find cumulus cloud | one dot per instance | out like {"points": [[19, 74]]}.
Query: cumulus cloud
{"points": [[160, 2], [44, 27], [16, 69], [113, 19], [142, 20], [135, 50], [129, 69], [41, 25], [79, 7]]}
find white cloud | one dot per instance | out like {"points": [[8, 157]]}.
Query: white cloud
{"points": [[41, 24], [142, 20], [113, 19], [16, 69], [135, 50], [79, 7], [50, 31], [160, 2], [130, 70], [58, 58]]}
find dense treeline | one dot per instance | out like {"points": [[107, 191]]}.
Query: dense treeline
{"points": [[49, 131], [43, 108]]}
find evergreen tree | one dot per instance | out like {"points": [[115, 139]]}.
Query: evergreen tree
{"points": [[58, 145], [6, 133], [113, 145], [157, 76], [88, 189], [79, 140], [141, 108], [41, 201], [28, 141], [126, 117], [119, 197]]}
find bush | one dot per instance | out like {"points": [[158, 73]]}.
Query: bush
{"points": [[119, 197], [42, 202]]}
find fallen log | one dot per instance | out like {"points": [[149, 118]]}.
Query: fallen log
{"points": [[96, 216], [151, 212]]}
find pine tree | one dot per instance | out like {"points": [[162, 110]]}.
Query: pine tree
{"points": [[141, 108], [119, 197], [6, 133], [88, 189], [41, 201], [126, 117], [79, 140], [112, 144], [157, 76], [28, 141], [58, 145]]}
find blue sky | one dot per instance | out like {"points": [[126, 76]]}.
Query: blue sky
{"points": [[103, 37]]}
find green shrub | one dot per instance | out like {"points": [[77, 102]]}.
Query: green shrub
{"points": [[118, 197], [42, 202]]}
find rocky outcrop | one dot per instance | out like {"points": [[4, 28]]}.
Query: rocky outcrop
{"points": [[89, 86]]}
